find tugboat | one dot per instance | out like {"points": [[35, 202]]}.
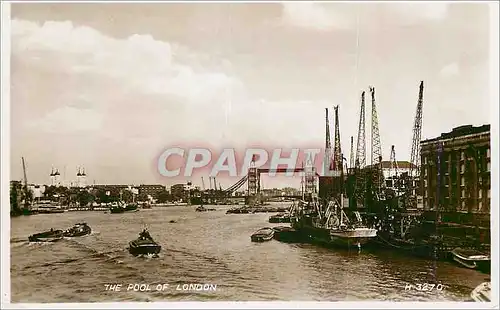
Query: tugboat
{"points": [[48, 236], [78, 230], [263, 234], [121, 208], [144, 245]]}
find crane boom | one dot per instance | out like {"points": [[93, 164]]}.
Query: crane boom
{"points": [[417, 133]]}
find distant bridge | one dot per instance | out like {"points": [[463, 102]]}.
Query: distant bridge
{"points": [[252, 179]]}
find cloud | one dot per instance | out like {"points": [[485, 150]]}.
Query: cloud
{"points": [[410, 13], [313, 16], [331, 16], [450, 70], [68, 120], [139, 61]]}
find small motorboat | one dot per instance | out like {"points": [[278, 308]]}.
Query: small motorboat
{"points": [[48, 236], [122, 209], [471, 259], [482, 293], [144, 245], [78, 230], [263, 234], [203, 209]]}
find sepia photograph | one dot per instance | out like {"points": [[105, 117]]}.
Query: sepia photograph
{"points": [[161, 153]]}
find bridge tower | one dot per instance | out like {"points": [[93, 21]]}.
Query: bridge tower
{"points": [[310, 178], [253, 184]]}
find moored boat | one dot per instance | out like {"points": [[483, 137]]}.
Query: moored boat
{"points": [[78, 230], [332, 226], [471, 259], [144, 245], [286, 234], [280, 218], [263, 234], [482, 293], [48, 236]]}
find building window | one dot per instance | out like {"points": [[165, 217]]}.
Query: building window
{"points": [[488, 166], [488, 193], [462, 181], [425, 171], [425, 183], [480, 206], [487, 153], [425, 160], [462, 168], [462, 155], [463, 193], [480, 194]]}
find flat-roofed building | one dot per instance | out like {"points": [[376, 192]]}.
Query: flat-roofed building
{"points": [[465, 166]]}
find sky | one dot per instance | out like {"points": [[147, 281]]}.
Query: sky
{"points": [[110, 86]]}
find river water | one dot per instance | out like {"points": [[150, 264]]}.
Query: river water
{"points": [[212, 248]]}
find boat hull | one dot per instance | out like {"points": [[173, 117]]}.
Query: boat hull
{"points": [[286, 234], [122, 210], [78, 231], [482, 293], [262, 235], [261, 238], [353, 237], [150, 248], [471, 260], [49, 236], [344, 238]]}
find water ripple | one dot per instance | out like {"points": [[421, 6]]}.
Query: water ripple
{"points": [[211, 248]]}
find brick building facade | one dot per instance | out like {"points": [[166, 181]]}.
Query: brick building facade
{"points": [[464, 183]]}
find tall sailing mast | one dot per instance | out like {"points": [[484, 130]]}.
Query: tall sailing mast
{"points": [[26, 192]]}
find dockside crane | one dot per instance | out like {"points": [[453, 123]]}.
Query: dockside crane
{"points": [[394, 163], [377, 177], [327, 163], [417, 134], [337, 150], [351, 160], [414, 172], [360, 162], [338, 161]]}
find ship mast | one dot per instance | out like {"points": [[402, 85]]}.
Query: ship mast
{"points": [[26, 203]]}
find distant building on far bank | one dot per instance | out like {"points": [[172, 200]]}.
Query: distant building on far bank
{"points": [[152, 190], [465, 170]]}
